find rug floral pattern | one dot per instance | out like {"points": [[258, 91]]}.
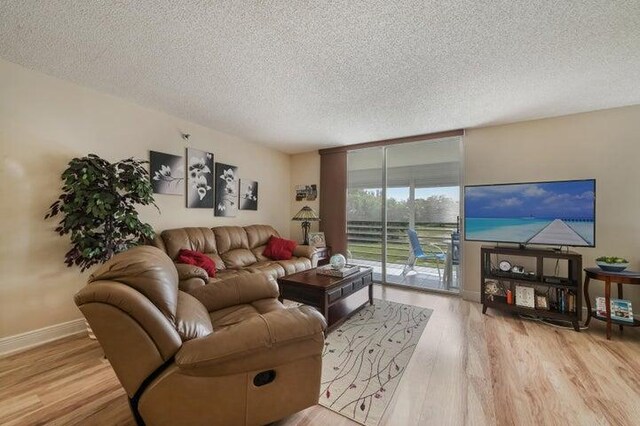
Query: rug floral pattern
{"points": [[363, 359]]}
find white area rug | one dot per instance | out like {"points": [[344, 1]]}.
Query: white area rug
{"points": [[365, 357]]}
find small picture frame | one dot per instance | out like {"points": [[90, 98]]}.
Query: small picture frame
{"points": [[525, 297], [542, 302], [316, 239]]}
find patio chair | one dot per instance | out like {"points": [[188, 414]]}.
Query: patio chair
{"points": [[434, 254]]}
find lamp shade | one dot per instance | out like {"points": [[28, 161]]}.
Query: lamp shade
{"points": [[306, 214]]}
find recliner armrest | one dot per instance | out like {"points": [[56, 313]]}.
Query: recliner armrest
{"points": [[308, 252], [244, 288], [261, 342]]}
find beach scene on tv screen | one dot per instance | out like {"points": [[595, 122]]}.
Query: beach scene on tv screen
{"points": [[552, 213]]}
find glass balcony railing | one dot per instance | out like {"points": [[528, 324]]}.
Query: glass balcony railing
{"points": [[365, 247], [365, 239]]}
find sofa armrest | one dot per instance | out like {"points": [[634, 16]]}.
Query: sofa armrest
{"points": [[191, 277], [309, 252], [191, 271], [260, 342], [244, 288]]}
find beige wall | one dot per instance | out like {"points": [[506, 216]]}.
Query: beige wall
{"points": [[604, 145], [305, 170], [44, 122]]}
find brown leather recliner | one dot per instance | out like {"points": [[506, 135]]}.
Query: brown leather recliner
{"points": [[229, 353]]}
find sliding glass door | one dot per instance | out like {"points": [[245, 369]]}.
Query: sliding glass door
{"points": [[403, 206]]}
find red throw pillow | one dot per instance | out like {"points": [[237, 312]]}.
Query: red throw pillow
{"points": [[196, 258], [279, 248]]}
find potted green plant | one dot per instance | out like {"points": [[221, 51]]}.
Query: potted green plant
{"points": [[98, 208]]}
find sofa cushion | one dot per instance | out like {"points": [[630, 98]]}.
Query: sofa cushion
{"points": [[201, 240], [238, 290], [232, 315], [198, 239], [268, 267], [279, 248], [192, 318], [235, 314], [228, 273], [201, 260], [295, 264], [230, 238], [258, 252], [238, 258], [258, 235]]}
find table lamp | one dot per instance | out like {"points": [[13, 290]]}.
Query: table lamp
{"points": [[306, 215]]}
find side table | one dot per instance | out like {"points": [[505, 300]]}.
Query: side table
{"points": [[324, 254], [620, 278]]}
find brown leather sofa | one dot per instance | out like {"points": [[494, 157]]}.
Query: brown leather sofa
{"points": [[227, 354], [236, 251]]}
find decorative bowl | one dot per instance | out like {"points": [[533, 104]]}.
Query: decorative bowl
{"points": [[337, 261], [612, 267]]}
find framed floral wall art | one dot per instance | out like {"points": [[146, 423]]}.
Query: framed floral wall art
{"points": [[226, 190], [199, 179], [166, 172], [248, 195]]}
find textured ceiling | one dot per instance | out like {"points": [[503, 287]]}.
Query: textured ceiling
{"points": [[300, 75]]}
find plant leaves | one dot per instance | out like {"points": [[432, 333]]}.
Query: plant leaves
{"points": [[98, 205]]}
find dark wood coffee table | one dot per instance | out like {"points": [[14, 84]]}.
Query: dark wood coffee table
{"points": [[331, 295]]}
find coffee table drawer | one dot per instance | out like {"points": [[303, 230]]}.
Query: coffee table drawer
{"points": [[347, 289], [334, 295], [367, 279], [362, 282]]}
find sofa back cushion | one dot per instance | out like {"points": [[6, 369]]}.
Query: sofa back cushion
{"points": [[258, 236], [233, 246], [201, 240]]}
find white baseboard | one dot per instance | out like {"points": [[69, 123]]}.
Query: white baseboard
{"points": [[473, 296], [20, 342]]}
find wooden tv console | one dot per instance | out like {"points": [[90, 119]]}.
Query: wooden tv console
{"points": [[554, 288]]}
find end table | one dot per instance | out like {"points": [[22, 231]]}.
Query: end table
{"points": [[324, 254], [609, 277]]}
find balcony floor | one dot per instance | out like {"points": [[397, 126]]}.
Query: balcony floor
{"points": [[424, 276]]}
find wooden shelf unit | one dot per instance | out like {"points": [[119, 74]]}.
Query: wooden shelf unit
{"points": [[573, 281]]}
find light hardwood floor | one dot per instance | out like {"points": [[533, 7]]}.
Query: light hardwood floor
{"points": [[467, 369]]}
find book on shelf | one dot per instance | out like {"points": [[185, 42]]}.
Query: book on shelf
{"points": [[621, 309], [601, 306], [566, 301]]}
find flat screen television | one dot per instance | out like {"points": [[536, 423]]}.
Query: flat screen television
{"points": [[559, 213]]}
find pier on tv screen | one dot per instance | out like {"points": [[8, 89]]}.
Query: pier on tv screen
{"points": [[550, 213]]}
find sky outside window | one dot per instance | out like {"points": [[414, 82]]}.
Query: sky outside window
{"points": [[402, 194]]}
